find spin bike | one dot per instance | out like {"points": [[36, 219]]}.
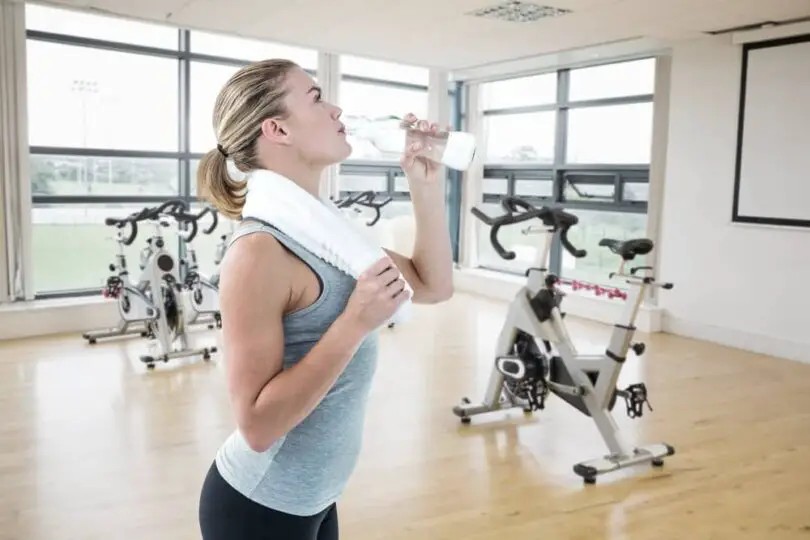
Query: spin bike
{"points": [[154, 300], [524, 375], [203, 292]]}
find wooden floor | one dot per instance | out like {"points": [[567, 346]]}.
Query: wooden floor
{"points": [[92, 446]]}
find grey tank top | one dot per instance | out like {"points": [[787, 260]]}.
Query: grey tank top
{"points": [[306, 470]]}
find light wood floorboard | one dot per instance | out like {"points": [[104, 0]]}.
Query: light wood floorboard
{"points": [[93, 446]]}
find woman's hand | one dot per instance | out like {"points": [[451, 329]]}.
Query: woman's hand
{"points": [[417, 168]]}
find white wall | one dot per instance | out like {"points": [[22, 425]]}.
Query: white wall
{"points": [[736, 284]]}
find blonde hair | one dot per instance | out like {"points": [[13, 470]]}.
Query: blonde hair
{"points": [[254, 93]]}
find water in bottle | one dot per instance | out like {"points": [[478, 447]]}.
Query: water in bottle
{"points": [[392, 135]]}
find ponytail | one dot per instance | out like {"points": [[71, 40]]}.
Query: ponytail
{"points": [[252, 94], [215, 185]]}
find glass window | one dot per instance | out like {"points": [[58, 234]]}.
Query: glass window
{"points": [[526, 246], [364, 103], [495, 186], [589, 187], [113, 176], [206, 82], [613, 80], [636, 191], [250, 50], [520, 138], [593, 226], [534, 188], [92, 98], [613, 134], [90, 25], [72, 249], [387, 71], [525, 91], [362, 182]]}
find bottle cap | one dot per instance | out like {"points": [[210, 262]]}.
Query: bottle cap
{"points": [[459, 150]]}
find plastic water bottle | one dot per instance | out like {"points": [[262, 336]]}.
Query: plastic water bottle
{"points": [[392, 135]]}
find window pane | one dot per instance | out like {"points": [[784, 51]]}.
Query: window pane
{"points": [[534, 90], [250, 50], [80, 175], [361, 182], [576, 187], [593, 226], [618, 134], [636, 191], [91, 98], [511, 138], [110, 28], [495, 186], [613, 80], [362, 104], [534, 188], [387, 71], [206, 82], [72, 248], [525, 246]]}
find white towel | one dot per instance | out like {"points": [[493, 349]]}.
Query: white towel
{"points": [[316, 223]]}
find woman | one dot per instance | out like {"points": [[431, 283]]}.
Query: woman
{"points": [[299, 335]]}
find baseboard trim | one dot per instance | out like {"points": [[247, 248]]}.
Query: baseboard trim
{"points": [[38, 318], [502, 286], [738, 339]]}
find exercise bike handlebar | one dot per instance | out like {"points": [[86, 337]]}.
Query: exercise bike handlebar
{"points": [[366, 198], [148, 213], [214, 218], [518, 211]]}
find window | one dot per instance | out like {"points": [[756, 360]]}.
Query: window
{"points": [[250, 50], [106, 176], [362, 182], [377, 69], [72, 248], [206, 82], [93, 98], [365, 103], [593, 226], [105, 27], [613, 80], [522, 92], [534, 187], [514, 138], [235, 174], [615, 134], [600, 169]]}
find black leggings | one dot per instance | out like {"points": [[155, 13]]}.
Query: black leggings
{"points": [[226, 514]]}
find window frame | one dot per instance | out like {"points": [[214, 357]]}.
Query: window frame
{"points": [[561, 172], [183, 156]]}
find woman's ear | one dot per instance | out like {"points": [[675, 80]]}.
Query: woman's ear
{"points": [[274, 131]]}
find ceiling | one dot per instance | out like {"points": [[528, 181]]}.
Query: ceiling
{"points": [[437, 33]]}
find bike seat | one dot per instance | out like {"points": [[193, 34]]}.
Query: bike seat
{"points": [[628, 249]]}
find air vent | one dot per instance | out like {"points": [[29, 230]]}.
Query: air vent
{"points": [[516, 11]]}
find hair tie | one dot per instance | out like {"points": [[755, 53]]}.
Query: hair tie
{"points": [[222, 150]]}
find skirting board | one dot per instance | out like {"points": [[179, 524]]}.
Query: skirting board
{"points": [[501, 286], [744, 340], [65, 315]]}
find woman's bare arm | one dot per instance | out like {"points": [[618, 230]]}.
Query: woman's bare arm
{"points": [[254, 293]]}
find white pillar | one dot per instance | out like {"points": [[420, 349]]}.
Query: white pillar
{"points": [[329, 80], [15, 184], [472, 180]]}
